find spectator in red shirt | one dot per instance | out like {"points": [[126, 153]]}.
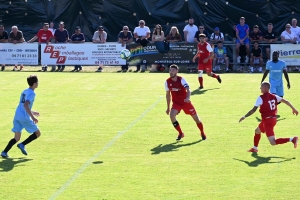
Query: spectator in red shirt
{"points": [[44, 35]]}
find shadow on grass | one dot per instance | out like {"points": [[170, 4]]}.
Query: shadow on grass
{"points": [[171, 147], [263, 160], [277, 117], [97, 162], [8, 164], [202, 91]]}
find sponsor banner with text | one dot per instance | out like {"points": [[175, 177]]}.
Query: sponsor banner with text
{"points": [[20, 53], [290, 53], [82, 54]]}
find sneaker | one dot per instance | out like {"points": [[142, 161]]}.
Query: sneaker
{"points": [[238, 59], [73, 70], [15, 68], [4, 154], [246, 59], [253, 150], [203, 136], [2, 68], [219, 79], [180, 135], [295, 141], [22, 148], [45, 69], [201, 87]]}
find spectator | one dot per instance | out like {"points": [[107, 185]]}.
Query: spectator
{"points": [[44, 35], [201, 31], [217, 36], [190, 31], [174, 35], [242, 38], [158, 34], [234, 32], [256, 34], [141, 34], [220, 56], [3, 39], [288, 36], [256, 58], [77, 38], [51, 27], [15, 37], [295, 29], [269, 36], [125, 37], [61, 35], [100, 36]]}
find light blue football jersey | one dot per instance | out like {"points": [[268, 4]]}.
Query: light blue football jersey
{"points": [[27, 95], [276, 70]]}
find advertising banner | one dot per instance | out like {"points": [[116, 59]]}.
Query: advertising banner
{"points": [[290, 53], [82, 54], [20, 53]]}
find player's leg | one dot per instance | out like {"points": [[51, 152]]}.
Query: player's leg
{"points": [[30, 127], [227, 64], [257, 135], [211, 74], [199, 125], [200, 78], [174, 111], [237, 50], [260, 65], [247, 45], [251, 64]]}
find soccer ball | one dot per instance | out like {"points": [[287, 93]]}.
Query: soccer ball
{"points": [[125, 54]]}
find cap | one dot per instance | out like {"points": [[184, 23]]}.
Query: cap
{"points": [[61, 22], [217, 29], [255, 26], [100, 28]]}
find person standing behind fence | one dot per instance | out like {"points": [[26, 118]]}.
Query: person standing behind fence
{"points": [[125, 37], [190, 31], [77, 38], [158, 34], [16, 36], [217, 36], [288, 36], [3, 39], [201, 31], [255, 34], [295, 29], [270, 36], [61, 35], [174, 35], [44, 35], [100, 36], [52, 29]]}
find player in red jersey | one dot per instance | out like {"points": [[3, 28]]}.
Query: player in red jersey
{"points": [[268, 110], [180, 91], [205, 54]]}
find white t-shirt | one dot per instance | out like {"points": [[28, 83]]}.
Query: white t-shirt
{"points": [[183, 82], [141, 31], [288, 36], [98, 37], [191, 31], [52, 30], [259, 101], [296, 31], [217, 37]]}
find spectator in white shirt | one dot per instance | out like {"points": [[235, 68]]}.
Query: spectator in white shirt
{"points": [[100, 36], [190, 31], [288, 36], [295, 29], [142, 33], [217, 36]]}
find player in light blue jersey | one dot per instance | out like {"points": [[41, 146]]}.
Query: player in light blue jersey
{"points": [[25, 118], [276, 68]]}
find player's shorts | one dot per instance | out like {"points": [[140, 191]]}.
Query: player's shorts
{"points": [[246, 41], [277, 88], [188, 108], [267, 126], [205, 67], [29, 126]]}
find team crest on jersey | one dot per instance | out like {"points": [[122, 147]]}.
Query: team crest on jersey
{"points": [[175, 89]]}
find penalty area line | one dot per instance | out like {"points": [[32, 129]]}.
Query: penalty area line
{"points": [[107, 146]]}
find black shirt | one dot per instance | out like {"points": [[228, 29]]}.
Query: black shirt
{"points": [[198, 32], [17, 37], [270, 36], [4, 35], [256, 52]]}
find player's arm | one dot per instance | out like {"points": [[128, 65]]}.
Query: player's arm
{"points": [[295, 111], [26, 106], [188, 95], [33, 39], [286, 76], [168, 99], [249, 113], [264, 76], [196, 56]]}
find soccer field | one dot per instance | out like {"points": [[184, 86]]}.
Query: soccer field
{"points": [[107, 136]]}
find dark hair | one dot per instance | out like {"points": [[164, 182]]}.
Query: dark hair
{"points": [[46, 24], [270, 24], [276, 52], [155, 30], [220, 42], [32, 79], [255, 42], [174, 66]]}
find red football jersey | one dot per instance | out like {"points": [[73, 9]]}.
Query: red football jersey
{"points": [[44, 35], [268, 105], [204, 50], [177, 88]]}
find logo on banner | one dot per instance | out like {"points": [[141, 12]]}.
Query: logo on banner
{"points": [[55, 54]]}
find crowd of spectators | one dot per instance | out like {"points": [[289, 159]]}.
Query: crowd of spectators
{"points": [[243, 36]]}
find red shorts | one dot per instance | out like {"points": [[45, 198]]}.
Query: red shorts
{"points": [[205, 67], [267, 126], [188, 108]]}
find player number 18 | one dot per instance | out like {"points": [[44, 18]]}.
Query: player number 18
{"points": [[272, 104]]}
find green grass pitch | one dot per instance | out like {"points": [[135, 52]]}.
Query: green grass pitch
{"points": [[107, 136]]}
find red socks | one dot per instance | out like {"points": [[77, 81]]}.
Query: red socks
{"points": [[200, 79], [177, 126], [282, 140], [215, 76], [256, 139], [200, 126]]}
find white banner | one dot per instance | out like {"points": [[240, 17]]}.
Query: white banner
{"points": [[20, 53], [290, 53], [82, 54]]}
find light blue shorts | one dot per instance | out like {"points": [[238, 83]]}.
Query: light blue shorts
{"points": [[29, 126], [277, 88]]}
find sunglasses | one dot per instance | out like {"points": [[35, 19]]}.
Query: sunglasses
{"points": [[125, 29], [201, 28], [141, 23]]}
